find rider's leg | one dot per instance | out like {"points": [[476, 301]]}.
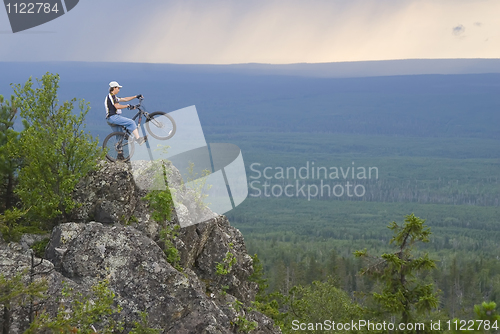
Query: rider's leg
{"points": [[126, 122], [130, 125]]}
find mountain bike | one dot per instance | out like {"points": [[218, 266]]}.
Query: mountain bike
{"points": [[119, 145]]}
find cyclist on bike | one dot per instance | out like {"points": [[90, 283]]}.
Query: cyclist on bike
{"points": [[113, 111]]}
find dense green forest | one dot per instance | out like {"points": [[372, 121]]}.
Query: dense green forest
{"points": [[302, 242], [452, 183], [421, 170]]}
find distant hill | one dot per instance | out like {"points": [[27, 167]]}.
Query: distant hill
{"points": [[319, 70], [308, 98]]}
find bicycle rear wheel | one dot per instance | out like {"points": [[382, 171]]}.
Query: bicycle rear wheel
{"points": [[160, 125], [118, 146]]}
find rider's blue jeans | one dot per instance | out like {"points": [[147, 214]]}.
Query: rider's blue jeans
{"points": [[123, 121]]}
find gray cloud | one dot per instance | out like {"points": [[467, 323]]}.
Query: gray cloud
{"points": [[265, 31], [458, 30]]}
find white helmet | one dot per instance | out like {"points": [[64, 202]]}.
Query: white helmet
{"points": [[114, 84]]}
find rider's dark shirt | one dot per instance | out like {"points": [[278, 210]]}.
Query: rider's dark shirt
{"points": [[109, 104]]}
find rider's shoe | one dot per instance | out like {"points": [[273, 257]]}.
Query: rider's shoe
{"points": [[141, 140]]}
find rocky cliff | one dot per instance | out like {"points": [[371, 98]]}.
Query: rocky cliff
{"points": [[114, 237]]}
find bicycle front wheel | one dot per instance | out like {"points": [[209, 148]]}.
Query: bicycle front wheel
{"points": [[160, 125], [118, 146]]}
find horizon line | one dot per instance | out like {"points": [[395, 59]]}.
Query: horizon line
{"points": [[251, 63]]}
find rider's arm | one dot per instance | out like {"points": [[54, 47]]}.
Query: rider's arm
{"points": [[124, 99], [120, 106]]}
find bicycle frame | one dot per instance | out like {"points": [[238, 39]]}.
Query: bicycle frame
{"points": [[146, 114], [139, 114]]}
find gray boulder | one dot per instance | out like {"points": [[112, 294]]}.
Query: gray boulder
{"points": [[108, 195], [139, 275], [114, 237]]}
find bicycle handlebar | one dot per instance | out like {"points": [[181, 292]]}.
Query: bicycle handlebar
{"points": [[140, 102]]}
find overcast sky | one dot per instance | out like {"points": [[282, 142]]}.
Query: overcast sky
{"points": [[261, 31]]}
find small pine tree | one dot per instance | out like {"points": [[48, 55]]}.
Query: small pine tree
{"points": [[14, 291], [487, 320], [258, 277], [83, 314], [403, 294], [10, 228], [142, 327]]}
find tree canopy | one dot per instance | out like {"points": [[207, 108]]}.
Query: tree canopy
{"points": [[56, 150]]}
